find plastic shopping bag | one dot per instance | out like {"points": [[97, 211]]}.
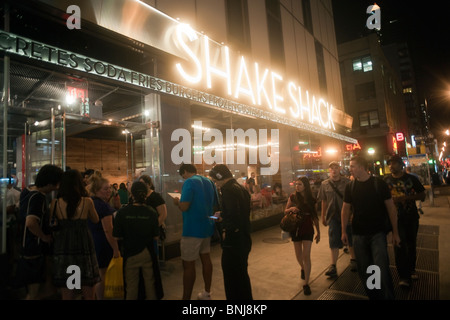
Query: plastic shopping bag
{"points": [[114, 279]]}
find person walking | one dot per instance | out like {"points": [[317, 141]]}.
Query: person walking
{"points": [[73, 244], [374, 215], [36, 249], [418, 202], [234, 219], [406, 189], [302, 202], [136, 225], [331, 194], [198, 198], [106, 246]]}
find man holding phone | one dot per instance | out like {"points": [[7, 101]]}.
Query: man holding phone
{"points": [[236, 239], [197, 202]]}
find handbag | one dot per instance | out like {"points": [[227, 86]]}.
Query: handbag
{"points": [[114, 288], [291, 222]]}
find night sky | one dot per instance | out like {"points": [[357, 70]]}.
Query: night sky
{"points": [[426, 29]]}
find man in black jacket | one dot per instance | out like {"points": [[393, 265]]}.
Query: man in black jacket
{"points": [[236, 239]]}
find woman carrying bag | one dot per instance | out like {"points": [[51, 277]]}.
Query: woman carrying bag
{"points": [[302, 202]]}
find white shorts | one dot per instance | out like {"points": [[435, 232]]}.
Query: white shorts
{"points": [[192, 247]]}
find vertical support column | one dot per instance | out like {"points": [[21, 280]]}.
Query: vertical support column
{"points": [[6, 97], [52, 135], [153, 150], [285, 158]]}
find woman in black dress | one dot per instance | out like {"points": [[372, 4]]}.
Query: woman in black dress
{"points": [[73, 244], [302, 202]]}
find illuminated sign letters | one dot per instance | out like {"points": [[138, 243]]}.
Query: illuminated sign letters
{"points": [[261, 86], [353, 147], [399, 136]]}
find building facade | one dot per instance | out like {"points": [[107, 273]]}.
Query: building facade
{"points": [[131, 87], [373, 97]]}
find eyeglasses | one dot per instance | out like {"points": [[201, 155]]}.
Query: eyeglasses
{"points": [[299, 184]]}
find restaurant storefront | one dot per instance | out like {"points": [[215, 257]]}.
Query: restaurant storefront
{"points": [[127, 102]]}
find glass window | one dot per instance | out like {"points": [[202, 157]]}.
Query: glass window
{"points": [[362, 64], [365, 91], [307, 16], [364, 119], [373, 118], [369, 119], [367, 64], [357, 65]]}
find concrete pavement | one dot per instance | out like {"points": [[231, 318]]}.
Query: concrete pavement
{"points": [[275, 272]]}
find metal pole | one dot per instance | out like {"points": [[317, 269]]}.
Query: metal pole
{"points": [[6, 97], [52, 133], [126, 152], [132, 155], [63, 141]]}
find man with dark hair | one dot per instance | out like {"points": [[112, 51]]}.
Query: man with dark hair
{"points": [[198, 197], [373, 207], [236, 239], [405, 189], [34, 210]]}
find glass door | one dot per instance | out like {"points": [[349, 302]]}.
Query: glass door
{"points": [[44, 144]]}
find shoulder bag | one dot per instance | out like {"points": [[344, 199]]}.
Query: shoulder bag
{"points": [[291, 222]]}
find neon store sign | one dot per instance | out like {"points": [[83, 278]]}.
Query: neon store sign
{"points": [[243, 79]]}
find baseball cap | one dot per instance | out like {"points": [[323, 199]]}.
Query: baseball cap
{"points": [[396, 158]]}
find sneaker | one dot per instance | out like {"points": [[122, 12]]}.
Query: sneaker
{"points": [[404, 283], [302, 274], [414, 275], [306, 290], [204, 295], [353, 265], [331, 272]]}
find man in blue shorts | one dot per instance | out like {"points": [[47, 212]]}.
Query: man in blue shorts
{"points": [[198, 198]]}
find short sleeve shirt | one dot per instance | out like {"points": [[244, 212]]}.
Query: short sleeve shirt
{"points": [[406, 185], [103, 210], [35, 204], [200, 192], [334, 201], [155, 200], [369, 209], [137, 226]]}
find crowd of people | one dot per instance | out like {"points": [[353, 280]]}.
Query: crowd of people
{"points": [[91, 221], [88, 223]]}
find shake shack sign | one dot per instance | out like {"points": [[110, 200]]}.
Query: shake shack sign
{"points": [[13, 44]]}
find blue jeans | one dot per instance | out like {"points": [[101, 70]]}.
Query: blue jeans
{"points": [[372, 250]]}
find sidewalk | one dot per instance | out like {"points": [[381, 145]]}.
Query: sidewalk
{"points": [[274, 270]]}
